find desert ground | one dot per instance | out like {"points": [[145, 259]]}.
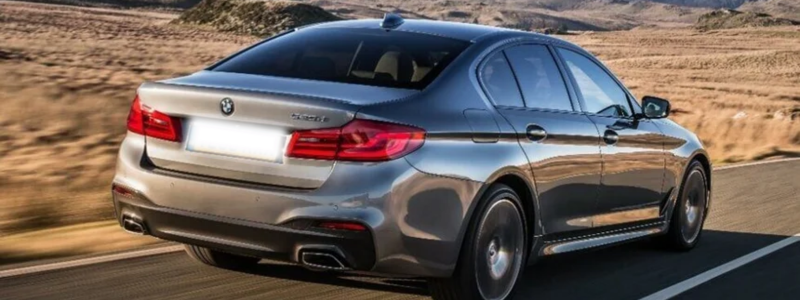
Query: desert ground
{"points": [[69, 74]]}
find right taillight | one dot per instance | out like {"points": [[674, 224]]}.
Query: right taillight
{"points": [[359, 140], [149, 122]]}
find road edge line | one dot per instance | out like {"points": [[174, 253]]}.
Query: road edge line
{"points": [[734, 166], [88, 261], [706, 276]]}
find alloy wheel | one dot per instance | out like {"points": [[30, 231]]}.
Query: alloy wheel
{"points": [[694, 206], [500, 246]]}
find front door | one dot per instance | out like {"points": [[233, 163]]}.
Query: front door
{"points": [[562, 144], [632, 149]]}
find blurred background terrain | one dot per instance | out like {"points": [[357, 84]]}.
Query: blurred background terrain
{"points": [[71, 70]]}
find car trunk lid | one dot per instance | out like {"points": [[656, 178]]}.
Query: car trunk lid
{"points": [[249, 144]]}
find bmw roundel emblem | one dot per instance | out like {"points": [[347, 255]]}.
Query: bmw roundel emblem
{"points": [[226, 105]]}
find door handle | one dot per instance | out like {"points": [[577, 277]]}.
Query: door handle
{"points": [[610, 137], [536, 133]]}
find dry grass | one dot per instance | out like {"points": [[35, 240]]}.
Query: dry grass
{"points": [[87, 238], [70, 74]]}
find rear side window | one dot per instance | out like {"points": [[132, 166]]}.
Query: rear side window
{"points": [[359, 56], [539, 78], [499, 82]]}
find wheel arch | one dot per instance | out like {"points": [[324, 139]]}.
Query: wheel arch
{"points": [[526, 195], [702, 157], [522, 184]]}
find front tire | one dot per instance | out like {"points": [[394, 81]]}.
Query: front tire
{"points": [[689, 215], [492, 256], [220, 259]]}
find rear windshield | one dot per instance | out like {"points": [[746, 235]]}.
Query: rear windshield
{"points": [[360, 56]]}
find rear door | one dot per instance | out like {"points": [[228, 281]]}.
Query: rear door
{"points": [[562, 145], [633, 154]]}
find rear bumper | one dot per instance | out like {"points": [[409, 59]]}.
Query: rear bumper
{"points": [[285, 243], [415, 221]]}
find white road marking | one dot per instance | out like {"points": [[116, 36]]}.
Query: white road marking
{"points": [[88, 261], [690, 283], [756, 163]]}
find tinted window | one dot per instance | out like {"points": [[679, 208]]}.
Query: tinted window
{"points": [[539, 78], [361, 56], [499, 81], [602, 94]]}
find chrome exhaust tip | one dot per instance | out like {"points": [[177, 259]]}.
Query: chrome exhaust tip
{"points": [[322, 261], [133, 226]]}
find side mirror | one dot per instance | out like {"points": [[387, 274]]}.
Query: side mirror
{"points": [[655, 108]]}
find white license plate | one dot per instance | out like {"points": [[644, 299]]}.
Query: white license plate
{"points": [[236, 139]]}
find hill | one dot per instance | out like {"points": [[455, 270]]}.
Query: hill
{"points": [[529, 15], [705, 3], [159, 5], [728, 18], [789, 9], [254, 17], [521, 14]]}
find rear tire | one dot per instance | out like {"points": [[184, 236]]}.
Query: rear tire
{"points": [[220, 259], [493, 254], [689, 214]]}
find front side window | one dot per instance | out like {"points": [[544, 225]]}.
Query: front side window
{"points": [[601, 93], [539, 78], [499, 82], [359, 56]]}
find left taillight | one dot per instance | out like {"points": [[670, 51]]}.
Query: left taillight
{"points": [[135, 123], [149, 122]]}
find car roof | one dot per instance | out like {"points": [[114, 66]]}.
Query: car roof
{"points": [[460, 31]]}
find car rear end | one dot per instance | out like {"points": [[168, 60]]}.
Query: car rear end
{"points": [[265, 153]]}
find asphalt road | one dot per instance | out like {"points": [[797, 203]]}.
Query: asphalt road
{"points": [[754, 207]]}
